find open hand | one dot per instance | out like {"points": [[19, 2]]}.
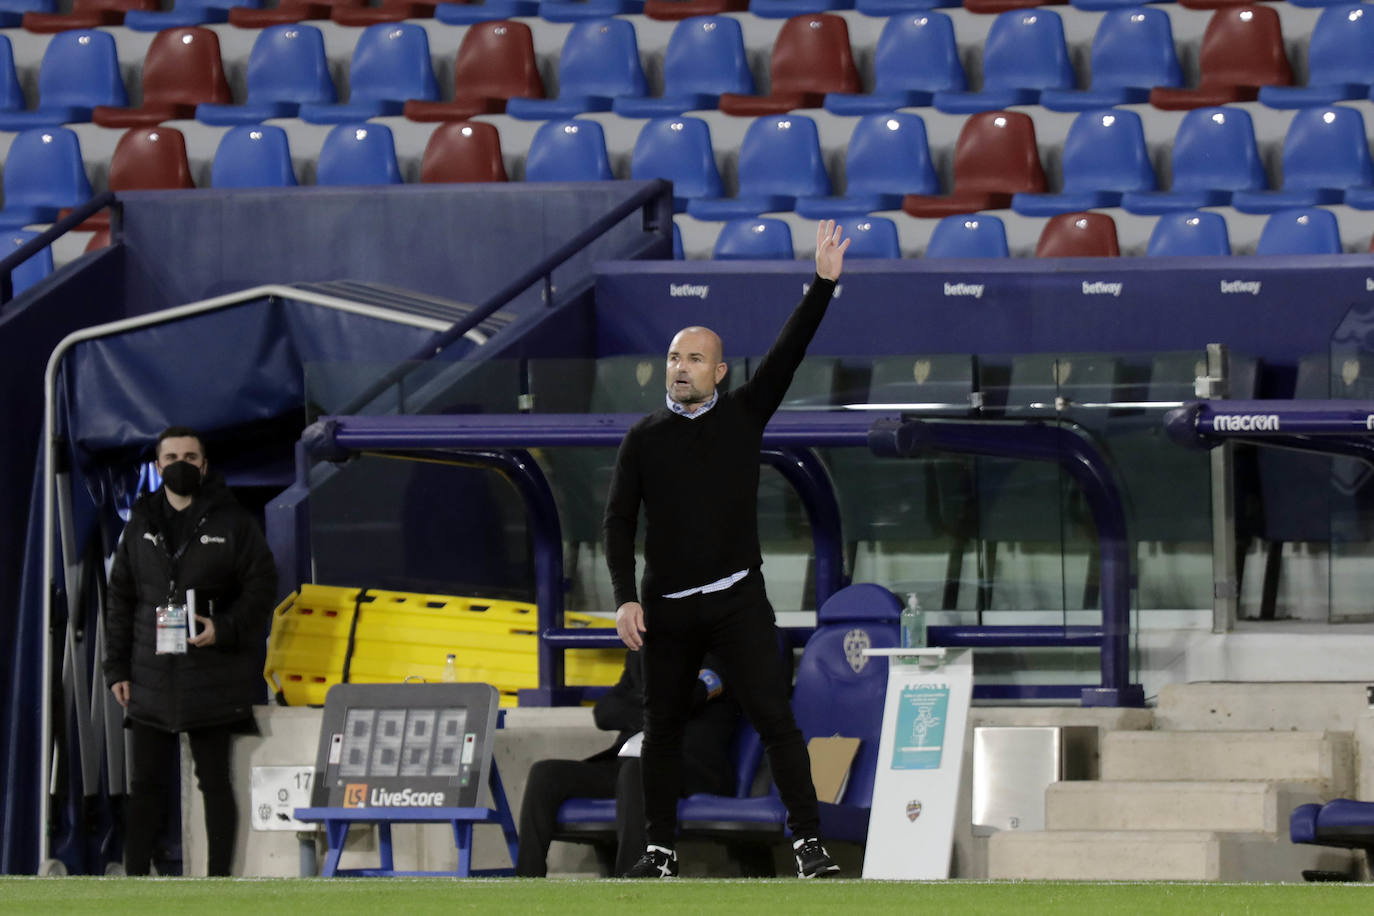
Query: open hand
{"points": [[829, 250]]}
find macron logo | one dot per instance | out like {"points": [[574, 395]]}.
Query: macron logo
{"points": [[964, 289], [211, 539], [1098, 288], [1245, 423], [1241, 286], [688, 291]]}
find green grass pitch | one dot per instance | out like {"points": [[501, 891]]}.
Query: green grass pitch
{"points": [[411, 896]]}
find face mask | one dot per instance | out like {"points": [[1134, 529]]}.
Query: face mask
{"points": [[182, 478]]}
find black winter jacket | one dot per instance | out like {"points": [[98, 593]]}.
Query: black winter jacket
{"points": [[227, 562]]}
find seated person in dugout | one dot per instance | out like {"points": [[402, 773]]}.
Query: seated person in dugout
{"points": [[707, 767]]}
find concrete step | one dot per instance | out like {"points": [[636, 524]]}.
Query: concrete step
{"points": [[1250, 706], [1154, 855], [1324, 760], [1255, 807]]}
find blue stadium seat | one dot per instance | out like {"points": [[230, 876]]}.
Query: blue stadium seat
{"points": [[1025, 53], [1189, 233], [779, 161], [12, 11], [871, 237], [31, 269], [968, 235], [897, 7], [44, 173], [80, 70], [391, 64], [1101, 5], [785, 9], [678, 253], [888, 158], [286, 67], [568, 151], [1133, 51], [1342, 822], [1214, 155], [11, 91], [577, 10], [915, 58], [358, 154], [1324, 152], [1104, 156], [705, 57], [252, 156], [679, 150], [1340, 58], [486, 11], [756, 238], [184, 13], [1303, 230], [598, 63]]}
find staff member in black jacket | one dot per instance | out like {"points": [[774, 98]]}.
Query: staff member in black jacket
{"points": [[694, 465], [188, 534], [710, 725]]}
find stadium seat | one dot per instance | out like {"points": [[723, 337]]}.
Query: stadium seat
{"points": [[390, 64], [30, 270], [705, 58], [79, 71], [1242, 50], [783, 9], [44, 174], [1132, 52], [578, 10], [1104, 156], [811, 57], [183, 14], [252, 156], [888, 157], [12, 11], [85, 14], [1078, 235], [1340, 57], [968, 235], [994, 158], [898, 7], [286, 12], [1302, 230], [678, 253], [463, 151], [358, 154], [286, 67], [672, 10], [181, 70], [756, 238], [779, 160], [495, 62], [679, 150], [1104, 5], [871, 237], [916, 57], [1214, 155], [1188, 233], [11, 90], [568, 151], [599, 61], [1325, 151], [150, 159], [469, 13], [1024, 53]]}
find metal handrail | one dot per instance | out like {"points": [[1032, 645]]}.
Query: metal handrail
{"points": [[45, 238]]}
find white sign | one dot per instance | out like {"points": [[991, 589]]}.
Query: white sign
{"points": [[920, 756], [277, 792]]}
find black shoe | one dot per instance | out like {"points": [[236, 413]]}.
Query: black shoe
{"points": [[812, 859], [656, 862]]}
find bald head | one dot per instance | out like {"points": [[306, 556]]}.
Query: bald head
{"points": [[694, 366]]}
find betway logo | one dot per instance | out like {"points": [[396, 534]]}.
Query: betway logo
{"points": [[1099, 288], [964, 289], [1246, 423], [1241, 286], [688, 291], [406, 798]]}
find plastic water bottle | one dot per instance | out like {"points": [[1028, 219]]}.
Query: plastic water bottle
{"points": [[450, 675], [913, 622]]}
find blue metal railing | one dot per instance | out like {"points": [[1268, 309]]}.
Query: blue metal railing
{"points": [[45, 238]]}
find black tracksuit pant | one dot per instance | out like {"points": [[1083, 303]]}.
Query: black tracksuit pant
{"points": [[736, 625], [552, 782]]}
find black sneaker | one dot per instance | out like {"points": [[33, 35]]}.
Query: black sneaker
{"points": [[656, 862], [812, 859]]}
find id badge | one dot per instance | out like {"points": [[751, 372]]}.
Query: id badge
{"points": [[171, 629]]}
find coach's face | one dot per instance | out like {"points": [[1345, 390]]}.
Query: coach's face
{"points": [[694, 367]]}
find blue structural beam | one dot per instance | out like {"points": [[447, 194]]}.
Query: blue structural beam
{"points": [[1330, 427]]}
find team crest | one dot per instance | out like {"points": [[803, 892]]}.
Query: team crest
{"points": [[855, 642], [913, 810], [921, 371], [643, 372]]}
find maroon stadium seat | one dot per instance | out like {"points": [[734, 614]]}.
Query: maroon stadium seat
{"points": [[86, 14], [286, 11], [994, 158], [463, 151], [495, 62], [685, 9], [1078, 235], [811, 57], [181, 70], [1242, 50], [386, 11]]}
